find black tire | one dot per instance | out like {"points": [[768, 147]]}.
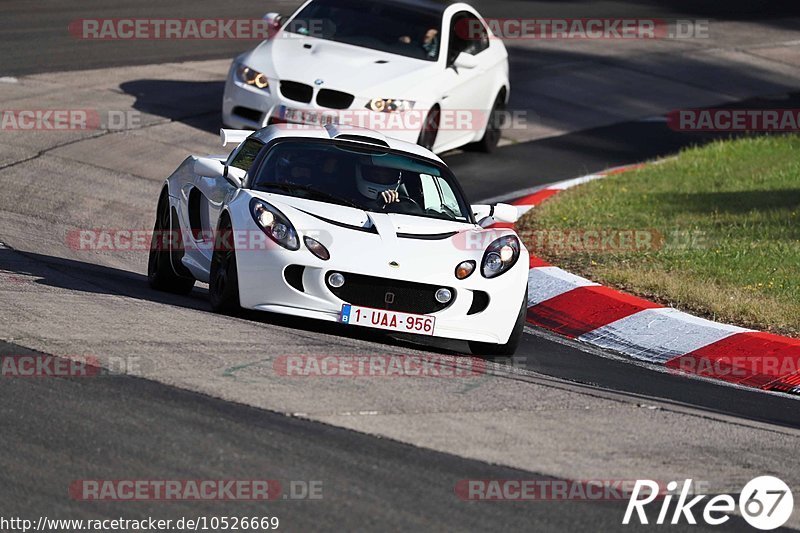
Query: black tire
{"points": [[491, 137], [510, 347], [166, 247], [430, 129], [223, 284]]}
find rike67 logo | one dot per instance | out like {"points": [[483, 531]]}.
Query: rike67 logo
{"points": [[765, 503]]}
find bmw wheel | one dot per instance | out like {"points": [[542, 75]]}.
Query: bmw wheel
{"points": [[430, 129], [491, 136]]}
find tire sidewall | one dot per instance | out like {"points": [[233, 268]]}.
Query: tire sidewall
{"points": [[225, 300]]}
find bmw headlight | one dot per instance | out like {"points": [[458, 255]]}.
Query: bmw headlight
{"points": [[274, 224], [389, 105], [252, 77], [500, 256]]}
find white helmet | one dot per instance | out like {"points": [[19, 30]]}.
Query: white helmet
{"points": [[372, 180]]}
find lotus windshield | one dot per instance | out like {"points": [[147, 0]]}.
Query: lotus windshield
{"points": [[404, 30], [344, 174]]}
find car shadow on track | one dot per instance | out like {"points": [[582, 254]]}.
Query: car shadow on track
{"points": [[69, 274], [195, 103]]}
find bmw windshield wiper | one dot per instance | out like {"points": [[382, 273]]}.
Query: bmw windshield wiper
{"points": [[306, 188]]}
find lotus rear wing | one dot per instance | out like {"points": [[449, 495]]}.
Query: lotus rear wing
{"points": [[233, 136]]}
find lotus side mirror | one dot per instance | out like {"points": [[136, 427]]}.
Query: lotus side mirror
{"points": [[505, 213], [211, 168], [235, 176], [486, 215]]}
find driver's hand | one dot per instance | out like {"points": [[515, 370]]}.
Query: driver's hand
{"points": [[430, 35], [390, 196]]}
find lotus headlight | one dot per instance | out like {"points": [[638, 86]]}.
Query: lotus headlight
{"points": [[500, 256], [252, 77], [389, 105], [274, 224]]}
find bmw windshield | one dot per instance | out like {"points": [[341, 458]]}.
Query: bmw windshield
{"points": [[396, 29], [359, 177]]}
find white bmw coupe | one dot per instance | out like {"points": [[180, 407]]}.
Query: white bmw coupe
{"points": [[417, 70], [342, 224]]}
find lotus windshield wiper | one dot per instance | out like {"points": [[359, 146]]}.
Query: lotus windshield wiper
{"points": [[306, 188]]}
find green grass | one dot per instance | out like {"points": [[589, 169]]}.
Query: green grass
{"points": [[729, 214]]}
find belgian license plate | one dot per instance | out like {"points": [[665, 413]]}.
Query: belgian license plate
{"points": [[301, 116], [391, 320]]}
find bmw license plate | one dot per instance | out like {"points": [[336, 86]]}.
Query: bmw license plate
{"points": [[391, 320], [301, 116]]}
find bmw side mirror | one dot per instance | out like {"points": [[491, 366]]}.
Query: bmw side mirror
{"points": [[274, 22], [465, 60]]}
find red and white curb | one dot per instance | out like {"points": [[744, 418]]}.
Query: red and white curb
{"points": [[580, 309]]}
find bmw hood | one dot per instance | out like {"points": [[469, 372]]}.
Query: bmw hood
{"points": [[339, 66]]}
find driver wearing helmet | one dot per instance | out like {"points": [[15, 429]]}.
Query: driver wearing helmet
{"points": [[380, 184]]}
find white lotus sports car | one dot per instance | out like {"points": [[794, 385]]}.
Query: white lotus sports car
{"points": [[342, 224], [425, 72]]}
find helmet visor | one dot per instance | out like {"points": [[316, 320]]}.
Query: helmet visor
{"points": [[380, 175]]}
